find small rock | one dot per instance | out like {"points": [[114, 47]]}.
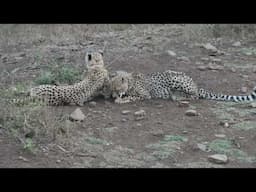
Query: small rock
{"points": [[218, 158], [202, 68], [254, 70], [58, 161], [233, 70], [203, 147], [92, 104], [124, 120], [18, 58], [183, 58], [139, 118], [198, 63], [23, 158], [220, 135], [4, 59], [77, 115], [236, 44], [205, 59], [183, 104], [191, 112], [244, 90], [213, 66], [125, 112], [184, 132], [216, 60], [210, 47], [171, 53], [140, 113], [157, 133], [252, 105], [139, 124], [224, 123]]}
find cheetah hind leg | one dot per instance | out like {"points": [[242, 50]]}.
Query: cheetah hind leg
{"points": [[181, 96]]}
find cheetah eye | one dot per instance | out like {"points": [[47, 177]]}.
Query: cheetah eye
{"points": [[89, 57], [122, 80], [101, 52]]}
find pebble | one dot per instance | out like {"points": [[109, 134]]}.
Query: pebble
{"points": [[244, 90], [58, 161], [139, 118], [233, 70], [202, 68], [157, 133], [253, 105], [191, 112], [183, 104], [213, 66], [124, 120], [205, 59], [125, 112], [218, 158], [224, 123], [183, 58], [216, 60], [140, 113], [210, 47], [220, 135], [92, 104], [23, 158], [139, 124], [77, 115], [236, 44], [171, 53], [203, 147], [198, 63]]}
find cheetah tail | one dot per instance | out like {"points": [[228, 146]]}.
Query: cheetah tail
{"points": [[204, 94]]}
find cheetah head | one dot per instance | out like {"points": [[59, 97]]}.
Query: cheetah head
{"points": [[94, 59], [119, 83]]}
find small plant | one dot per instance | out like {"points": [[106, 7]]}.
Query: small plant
{"points": [[67, 75], [62, 75], [29, 145], [45, 78], [167, 147]]}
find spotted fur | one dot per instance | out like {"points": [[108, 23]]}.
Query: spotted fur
{"points": [[80, 92], [164, 85]]}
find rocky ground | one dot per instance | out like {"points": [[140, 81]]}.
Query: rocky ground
{"points": [[151, 134]]}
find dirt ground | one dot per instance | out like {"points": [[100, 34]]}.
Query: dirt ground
{"points": [[166, 137]]}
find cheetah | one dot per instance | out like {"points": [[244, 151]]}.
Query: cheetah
{"points": [[128, 87], [80, 92]]}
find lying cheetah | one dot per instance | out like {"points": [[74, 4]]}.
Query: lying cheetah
{"points": [[138, 86], [80, 92]]}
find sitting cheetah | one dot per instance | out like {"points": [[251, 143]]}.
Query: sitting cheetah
{"points": [[80, 92], [138, 86]]}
